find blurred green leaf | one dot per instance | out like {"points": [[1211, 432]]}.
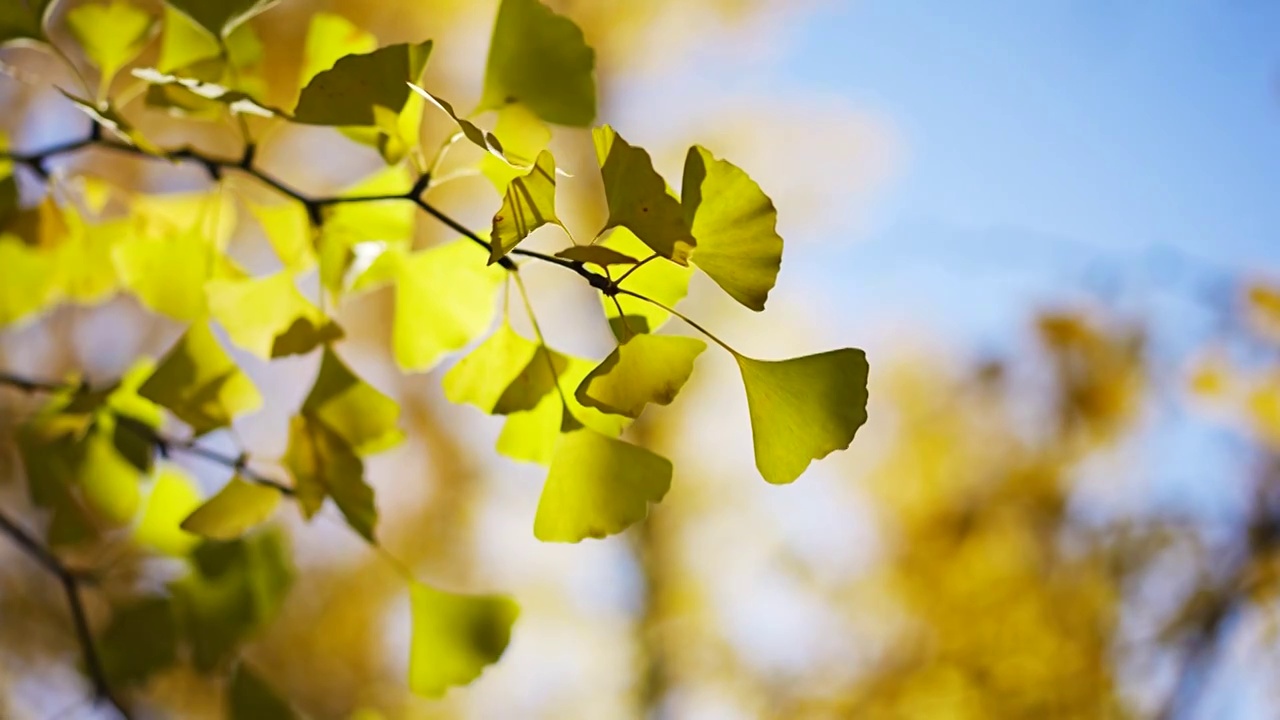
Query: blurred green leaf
{"points": [[238, 507], [804, 408], [200, 383], [455, 637], [363, 418], [220, 17], [23, 19], [598, 486], [140, 641], [173, 497], [250, 698], [483, 376], [348, 93], [540, 59], [735, 224], [268, 316], [324, 465]]}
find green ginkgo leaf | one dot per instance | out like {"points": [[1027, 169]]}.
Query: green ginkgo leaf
{"points": [[331, 37], [645, 369], [324, 465], [238, 507], [220, 17], [26, 281], [484, 375], [23, 19], [736, 227], [140, 640], [596, 255], [528, 203], [269, 316], [199, 382], [445, 300], [348, 92], [803, 409], [541, 60], [111, 34], [173, 497], [598, 486], [660, 280], [455, 637], [638, 198], [249, 697], [364, 418]]}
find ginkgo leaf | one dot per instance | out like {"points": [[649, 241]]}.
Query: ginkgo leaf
{"points": [[210, 216], [530, 434], [735, 224], [445, 300], [235, 100], [250, 698], [221, 17], [804, 408], [596, 255], [167, 274], [540, 59], [523, 136], [199, 382], [23, 19], [598, 486], [485, 374], [268, 316], [324, 465], [140, 640], [289, 231], [26, 281], [111, 34], [638, 198], [347, 93], [331, 37], [645, 369], [85, 272], [238, 507], [661, 280], [455, 636], [387, 225], [364, 418], [528, 203], [189, 50], [173, 497], [109, 482]]}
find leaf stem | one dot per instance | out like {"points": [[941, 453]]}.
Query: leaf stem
{"points": [[634, 268], [542, 342], [682, 316]]}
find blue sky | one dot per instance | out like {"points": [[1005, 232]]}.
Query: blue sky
{"points": [[1044, 136]]}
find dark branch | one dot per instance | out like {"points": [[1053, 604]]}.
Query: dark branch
{"points": [[71, 581]]}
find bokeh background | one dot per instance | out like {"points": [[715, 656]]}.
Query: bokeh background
{"points": [[1051, 226]]}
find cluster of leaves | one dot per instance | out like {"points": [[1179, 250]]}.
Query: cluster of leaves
{"points": [[90, 452]]}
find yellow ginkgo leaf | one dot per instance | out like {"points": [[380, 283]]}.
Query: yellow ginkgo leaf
{"points": [[638, 198], [324, 464], [268, 316], [485, 375], [445, 300], [111, 34], [26, 281], [173, 497], [540, 59], [523, 136], [455, 636], [356, 411], [645, 369], [237, 508], [804, 408], [331, 37], [166, 274], [528, 203], [199, 382], [598, 486]]}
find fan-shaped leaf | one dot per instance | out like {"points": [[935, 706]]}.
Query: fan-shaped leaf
{"points": [[348, 93], [331, 37], [362, 417], [238, 507], [528, 204], [523, 136], [638, 198], [736, 227], [167, 274], [540, 59], [445, 300], [111, 34], [220, 17], [486, 373], [268, 316], [804, 408], [173, 497], [200, 383], [26, 280], [644, 369], [598, 486], [324, 465], [455, 637]]}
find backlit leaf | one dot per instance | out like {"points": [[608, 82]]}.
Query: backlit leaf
{"points": [[221, 17], [523, 136], [596, 255], [235, 100], [540, 59], [472, 132], [445, 300], [347, 93], [530, 435], [324, 465], [289, 231], [484, 375], [804, 408], [644, 369], [362, 417], [331, 37], [455, 637], [26, 280], [200, 383], [638, 198], [173, 497], [111, 34], [598, 486], [108, 480], [528, 203], [109, 117], [168, 273], [238, 507], [268, 316], [735, 224], [23, 19]]}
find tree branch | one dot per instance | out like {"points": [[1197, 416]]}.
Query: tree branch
{"points": [[71, 581]]}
